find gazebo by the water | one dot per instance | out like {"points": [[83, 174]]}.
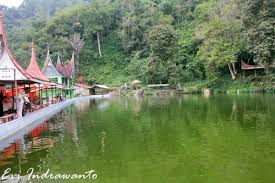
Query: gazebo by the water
{"points": [[246, 67], [135, 83]]}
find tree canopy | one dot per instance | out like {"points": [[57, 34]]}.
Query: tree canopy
{"points": [[156, 41]]}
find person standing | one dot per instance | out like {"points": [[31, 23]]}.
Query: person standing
{"points": [[20, 103], [27, 103]]}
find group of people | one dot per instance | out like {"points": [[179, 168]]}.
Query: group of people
{"points": [[22, 102]]}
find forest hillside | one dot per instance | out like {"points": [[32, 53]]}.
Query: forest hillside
{"points": [[155, 41]]}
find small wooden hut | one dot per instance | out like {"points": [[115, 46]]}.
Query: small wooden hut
{"points": [[246, 67]]}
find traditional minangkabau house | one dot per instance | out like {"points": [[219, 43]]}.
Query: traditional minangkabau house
{"points": [[12, 74], [54, 76], [10, 71], [50, 71], [34, 71], [67, 72]]}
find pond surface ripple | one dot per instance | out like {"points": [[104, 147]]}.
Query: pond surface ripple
{"points": [[188, 139]]}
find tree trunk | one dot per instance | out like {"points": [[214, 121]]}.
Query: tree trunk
{"points": [[231, 72], [98, 44], [76, 64], [234, 69]]}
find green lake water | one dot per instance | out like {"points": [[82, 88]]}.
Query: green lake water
{"points": [[190, 139]]}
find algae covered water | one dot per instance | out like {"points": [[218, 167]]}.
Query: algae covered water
{"points": [[153, 139]]}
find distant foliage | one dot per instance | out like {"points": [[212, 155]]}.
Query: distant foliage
{"points": [[259, 19], [155, 41]]}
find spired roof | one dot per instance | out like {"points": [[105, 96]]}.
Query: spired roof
{"points": [[49, 70], [34, 69], [7, 60], [59, 66], [68, 69]]}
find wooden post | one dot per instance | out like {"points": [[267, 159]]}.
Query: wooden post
{"points": [[14, 86], [47, 96], [39, 95], [55, 91], [52, 93], [15, 83], [12, 90]]}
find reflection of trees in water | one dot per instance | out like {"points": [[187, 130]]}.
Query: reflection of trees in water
{"points": [[158, 101], [255, 111], [102, 105], [103, 136], [234, 112], [194, 129], [246, 110], [136, 104], [69, 121]]}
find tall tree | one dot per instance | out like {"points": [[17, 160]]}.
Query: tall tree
{"points": [[222, 38], [136, 23], [259, 22], [77, 43], [162, 40], [97, 18]]}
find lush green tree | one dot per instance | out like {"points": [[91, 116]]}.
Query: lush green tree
{"points": [[136, 24], [222, 38], [156, 41], [163, 41], [259, 23], [97, 20]]}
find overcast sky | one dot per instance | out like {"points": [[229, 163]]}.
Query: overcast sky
{"points": [[11, 3]]}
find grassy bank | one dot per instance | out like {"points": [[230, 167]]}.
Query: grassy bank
{"points": [[251, 84]]}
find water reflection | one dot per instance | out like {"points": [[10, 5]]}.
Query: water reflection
{"points": [[82, 105], [161, 139], [31, 150]]}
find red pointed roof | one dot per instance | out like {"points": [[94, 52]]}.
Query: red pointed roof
{"points": [[66, 70], [59, 66], [6, 58], [34, 69]]}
